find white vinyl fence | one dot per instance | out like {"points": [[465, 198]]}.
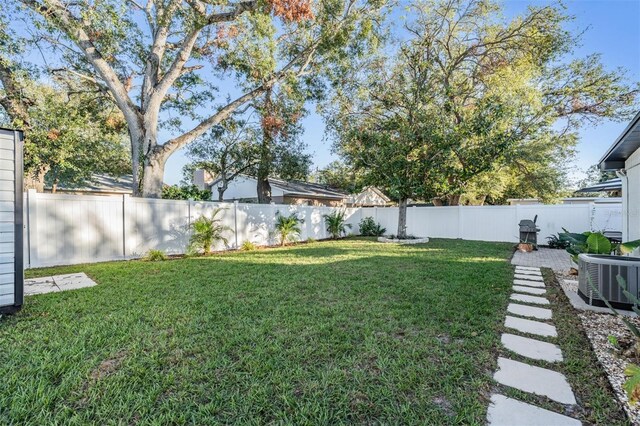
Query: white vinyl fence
{"points": [[499, 223], [65, 229]]}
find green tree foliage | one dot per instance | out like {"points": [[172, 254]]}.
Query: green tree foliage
{"points": [[335, 223], [71, 131], [185, 192], [288, 227], [594, 176], [227, 151], [465, 93], [236, 147], [158, 59], [339, 175], [206, 232]]}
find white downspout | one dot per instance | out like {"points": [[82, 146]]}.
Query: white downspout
{"points": [[622, 174]]}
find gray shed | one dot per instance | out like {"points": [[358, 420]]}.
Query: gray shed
{"points": [[11, 221]]}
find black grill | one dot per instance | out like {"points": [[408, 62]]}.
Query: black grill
{"points": [[529, 231]]}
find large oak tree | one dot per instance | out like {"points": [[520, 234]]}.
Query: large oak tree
{"points": [[466, 91], [157, 57]]}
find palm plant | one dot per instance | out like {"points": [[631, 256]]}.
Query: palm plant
{"points": [[287, 227], [335, 222], [207, 231]]}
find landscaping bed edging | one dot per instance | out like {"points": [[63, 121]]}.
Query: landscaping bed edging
{"points": [[407, 241]]}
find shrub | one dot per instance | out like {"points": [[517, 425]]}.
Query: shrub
{"points": [[175, 192], [369, 228], [287, 227], [155, 256], [555, 242], [335, 223], [587, 242], [248, 246], [311, 240], [207, 231]]}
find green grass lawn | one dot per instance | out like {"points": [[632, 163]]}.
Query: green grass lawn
{"points": [[323, 333]]}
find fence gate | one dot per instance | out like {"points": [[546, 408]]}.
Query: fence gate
{"points": [[11, 221]]}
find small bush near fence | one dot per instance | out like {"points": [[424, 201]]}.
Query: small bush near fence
{"points": [[155, 256], [369, 228], [248, 246]]}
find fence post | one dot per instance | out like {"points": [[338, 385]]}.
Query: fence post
{"points": [[460, 223], [235, 221], [32, 219], [125, 203]]}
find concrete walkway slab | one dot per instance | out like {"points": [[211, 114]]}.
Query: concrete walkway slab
{"points": [[525, 298], [539, 381], [530, 326], [529, 283], [528, 272], [532, 348], [529, 290], [527, 268], [527, 277], [505, 411], [57, 283], [529, 311]]}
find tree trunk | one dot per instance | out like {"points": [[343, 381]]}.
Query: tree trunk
{"points": [[153, 175], [402, 218], [222, 189], [35, 179], [264, 167], [453, 199]]}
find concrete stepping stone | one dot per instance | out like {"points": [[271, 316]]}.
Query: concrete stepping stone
{"points": [[529, 283], [529, 311], [532, 348], [530, 326], [529, 290], [528, 268], [525, 298], [505, 411], [527, 277], [532, 273], [540, 381]]}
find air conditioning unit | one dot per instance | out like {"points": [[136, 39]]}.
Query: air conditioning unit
{"points": [[603, 271]]}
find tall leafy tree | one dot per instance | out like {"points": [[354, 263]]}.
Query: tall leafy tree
{"points": [[157, 56], [339, 175], [228, 151], [71, 131], [465, 92]]}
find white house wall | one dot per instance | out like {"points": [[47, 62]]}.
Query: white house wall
{"points": [[243, 188], [631, 202]]}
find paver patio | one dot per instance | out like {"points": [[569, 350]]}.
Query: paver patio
{"points": [[558, 260]]}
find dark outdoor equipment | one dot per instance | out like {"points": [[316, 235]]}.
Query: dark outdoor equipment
{"points": [[529, 231]]}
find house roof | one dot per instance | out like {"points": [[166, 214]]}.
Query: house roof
{"points": [[360, 197], [101, 183], [302, 189], [608, 185], [626, 144]]}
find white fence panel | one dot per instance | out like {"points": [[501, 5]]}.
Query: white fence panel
{"points": [[552, 218], [488, 223], [606, 217], [155, 224], [67, 229]]}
